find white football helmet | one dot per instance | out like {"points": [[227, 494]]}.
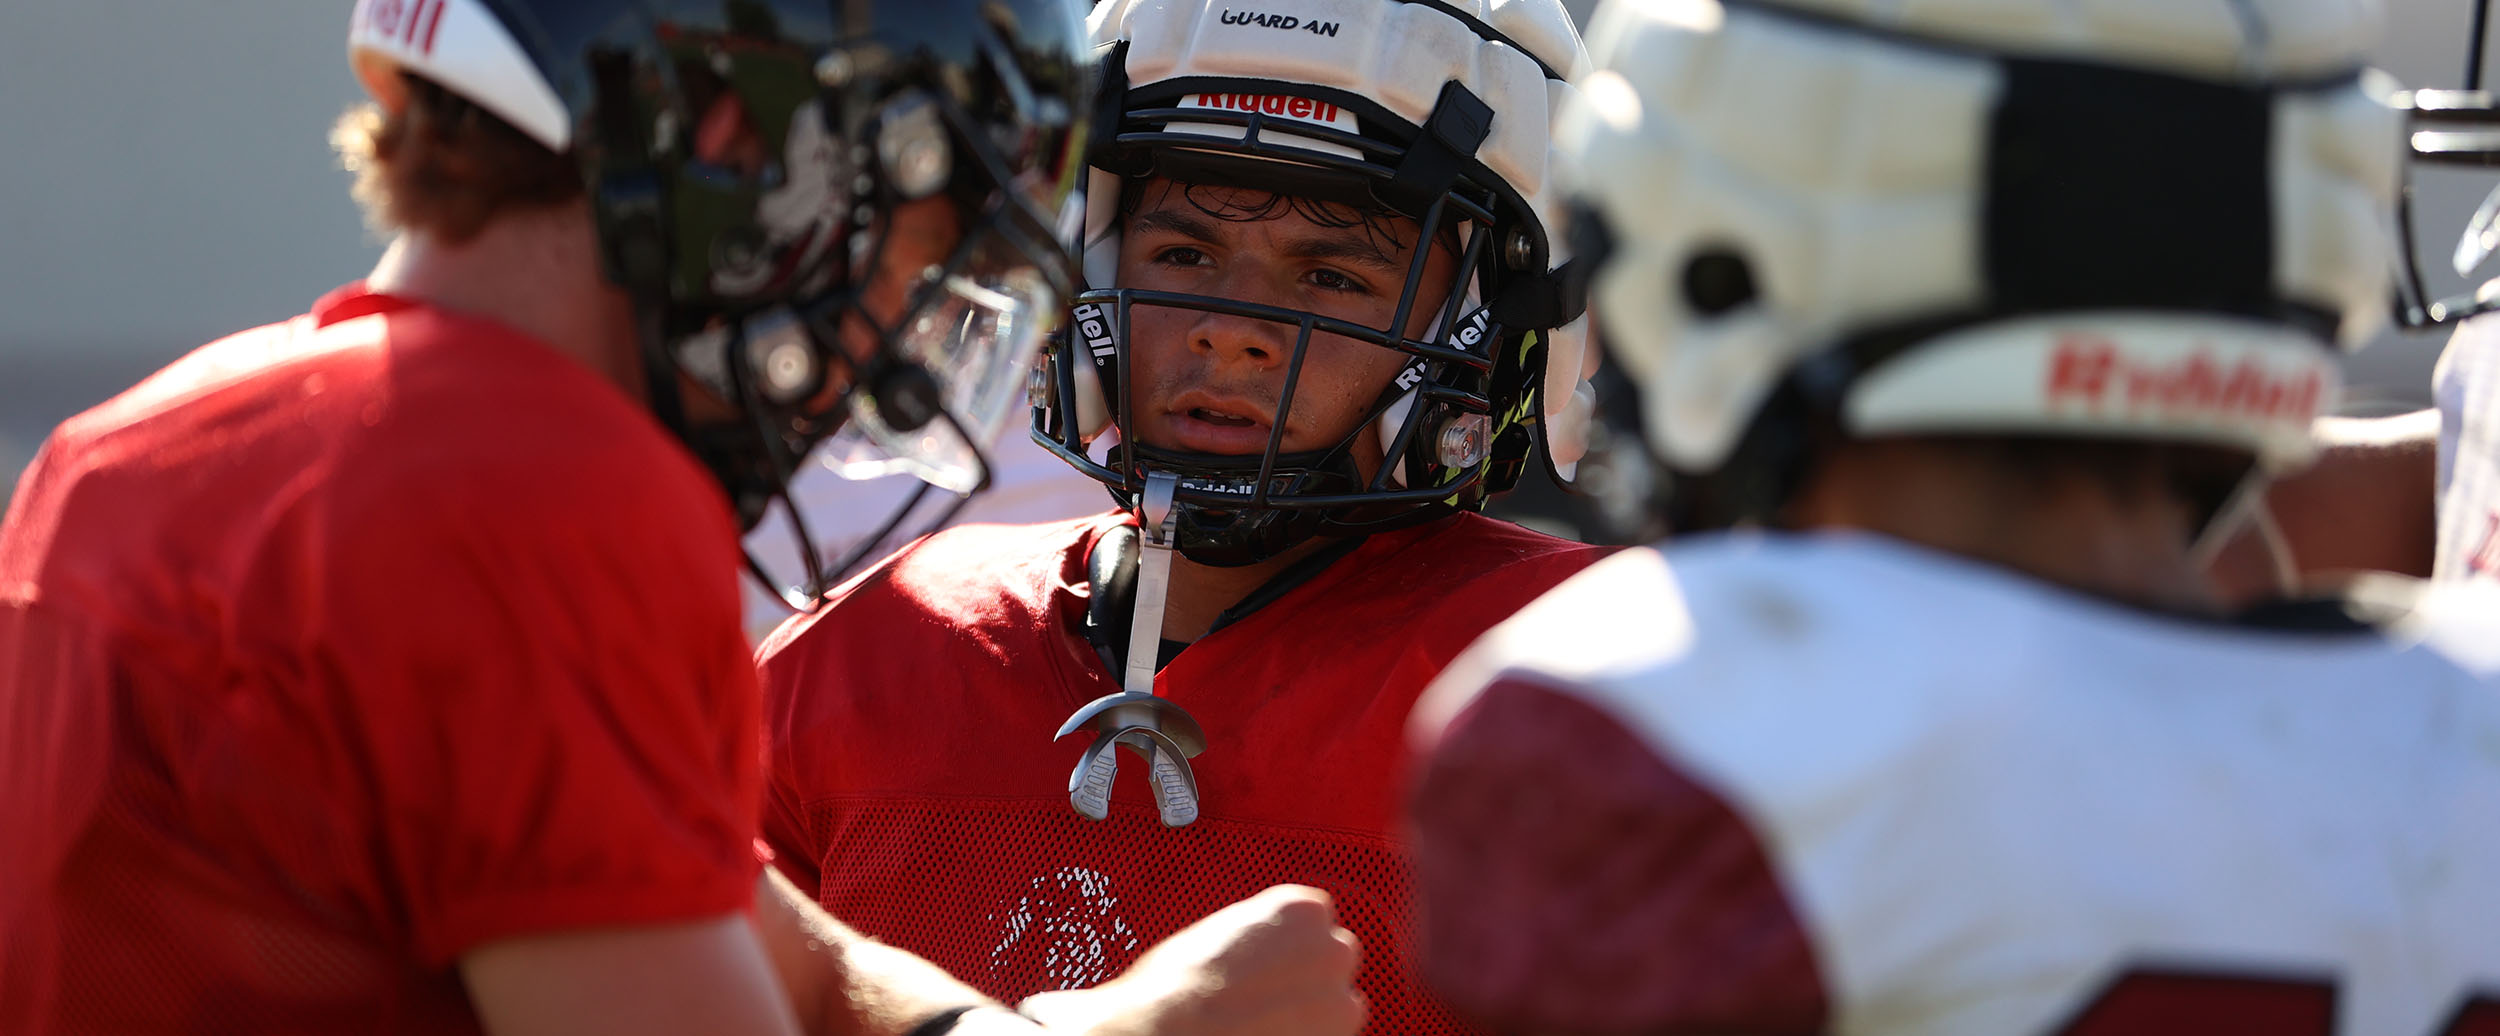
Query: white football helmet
{"points": [[1441, 111], [2086, 218]]}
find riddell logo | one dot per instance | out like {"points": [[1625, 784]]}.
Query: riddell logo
{"points": [[2093, 372], [1095, 325], [1302, 108], [413, 23]]}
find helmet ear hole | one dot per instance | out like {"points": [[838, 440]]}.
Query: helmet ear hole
{"points": [[1716, 280]]}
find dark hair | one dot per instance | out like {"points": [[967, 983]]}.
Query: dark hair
{"points": [[1383, 226], [445, 166], [2202, 477]]}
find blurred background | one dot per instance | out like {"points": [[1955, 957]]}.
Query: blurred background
{"points": [[168, 181]]}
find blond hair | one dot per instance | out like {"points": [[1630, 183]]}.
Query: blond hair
{"points": [[444, 166]]}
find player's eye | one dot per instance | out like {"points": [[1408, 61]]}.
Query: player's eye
{"points": [[1332, 280], [1181, 255]]}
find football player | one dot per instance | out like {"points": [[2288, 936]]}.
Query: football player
{"points": [[1325, 313], [1977, 318], [381, 670]]}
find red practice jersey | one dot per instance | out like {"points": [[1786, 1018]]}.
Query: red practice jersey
{"points": [[1837, 784], [342, 647], [916, 789]]}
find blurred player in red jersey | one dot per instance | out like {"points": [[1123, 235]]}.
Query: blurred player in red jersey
{"points": [[381, 670], [1326, 310], [1980, 319]]}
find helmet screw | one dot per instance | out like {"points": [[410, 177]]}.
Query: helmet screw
{"points": [[911, 145], [783, 363], [1519, 251], [834, 69], [1465, 440]]}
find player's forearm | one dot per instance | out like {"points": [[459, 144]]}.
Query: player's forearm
{"points": [[2369, 503], [1273, 963], [843, 983]]}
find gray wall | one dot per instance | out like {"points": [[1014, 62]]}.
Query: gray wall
{"points": [[167, 180]]}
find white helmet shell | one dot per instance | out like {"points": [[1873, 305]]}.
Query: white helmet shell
{"points": [[1848, 165], [463, 46], [1519, 56]]}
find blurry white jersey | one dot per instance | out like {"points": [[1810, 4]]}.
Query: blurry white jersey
{"points": [[2467, 387], [1028, 484], [1834, 783]]}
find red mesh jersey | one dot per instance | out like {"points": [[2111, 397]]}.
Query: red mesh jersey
{"points": [[331, 652], [916, 788]]}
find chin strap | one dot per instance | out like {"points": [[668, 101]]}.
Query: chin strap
{"points": [[1163, 733], [1154, 581]]}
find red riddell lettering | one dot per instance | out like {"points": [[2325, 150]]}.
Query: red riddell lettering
{"points": [[415, 25], [382, 17], [433, 25], [1271, 104], [2088, 370]]}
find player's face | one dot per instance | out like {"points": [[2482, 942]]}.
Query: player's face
{"points": [[916, 236], [1211, 382], [920, 236]]}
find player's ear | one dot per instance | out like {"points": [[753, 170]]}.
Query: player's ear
{"points": [[382, 80]]}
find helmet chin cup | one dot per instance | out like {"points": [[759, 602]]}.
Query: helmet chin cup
{"points": [[1159, 731], [1225, 526]]}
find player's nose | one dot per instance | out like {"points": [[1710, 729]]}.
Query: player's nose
{"points": [[1232, 338]]}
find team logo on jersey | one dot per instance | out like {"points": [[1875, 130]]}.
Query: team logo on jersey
{"points": [[1068, 925], [2095, 373]]}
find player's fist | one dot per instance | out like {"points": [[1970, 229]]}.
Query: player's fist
{"points": [[1276, 962]]}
